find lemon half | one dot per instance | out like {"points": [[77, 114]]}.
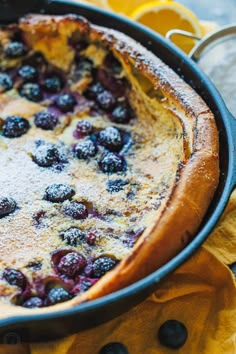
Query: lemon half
{"points": [[165, 15], [127, 6]]}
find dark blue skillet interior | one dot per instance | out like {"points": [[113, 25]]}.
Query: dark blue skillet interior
{"points": [[51, 326]]}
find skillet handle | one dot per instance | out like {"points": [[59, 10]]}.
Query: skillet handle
{"points": [[178, 32]]}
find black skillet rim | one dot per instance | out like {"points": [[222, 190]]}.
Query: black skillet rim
{"points": [[229, 183]]}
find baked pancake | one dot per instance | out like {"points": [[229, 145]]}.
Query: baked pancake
{"points": [[108, 159]]}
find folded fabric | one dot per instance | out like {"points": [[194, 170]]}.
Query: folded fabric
{"points": [[201, 294]]}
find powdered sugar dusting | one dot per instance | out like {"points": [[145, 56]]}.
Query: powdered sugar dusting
{"points": [[112, 220]]}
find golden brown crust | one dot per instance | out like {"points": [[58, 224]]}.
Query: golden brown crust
{"points": [[177, 222]]}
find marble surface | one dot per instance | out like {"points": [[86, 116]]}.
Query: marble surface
{"points": [[221, 11]]}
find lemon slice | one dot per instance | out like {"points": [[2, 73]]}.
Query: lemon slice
{"points": [[165, 15], [126, 7]]}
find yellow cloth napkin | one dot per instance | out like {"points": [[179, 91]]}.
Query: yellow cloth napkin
{"points": [[201, 294]]}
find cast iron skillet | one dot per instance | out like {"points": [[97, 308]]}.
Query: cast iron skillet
{"points": [[51, 326]]}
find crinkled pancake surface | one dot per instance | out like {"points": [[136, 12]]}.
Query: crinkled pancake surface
{"points": [[108, 163]]}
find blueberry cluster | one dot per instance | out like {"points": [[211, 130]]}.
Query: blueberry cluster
{"points": [[35, 78], [53, 296], [37, 81], [110, 139], [72, 264], [67, 264], [119, 111], [107, 93], [59, 193], [35, 88]]}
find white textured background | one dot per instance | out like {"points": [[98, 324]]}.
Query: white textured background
{"points": [[221, 11]]}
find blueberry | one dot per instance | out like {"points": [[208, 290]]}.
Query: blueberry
{"points": [[84, 127], [15, 50], [71, 264], [83, 68], [46, 155], [14, 277], [46, 120], [84, 64], [114, 348], [91, 238], [85, 150], [58, 193], [28, 73], [15, 127], [76, 210], [36, 59], [6, 82], [53, 84], [106, 100], [112, 163], [66, 102], [111, 139], [32, 92], [122, 114], [7, 206], [115, 85], [172, 334], [114, 186], [72, 236], [34, 266], [33, 302], [93, 90], [103, 265], [57, 295], [77, 43], [86, 284], [112, 64]]}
